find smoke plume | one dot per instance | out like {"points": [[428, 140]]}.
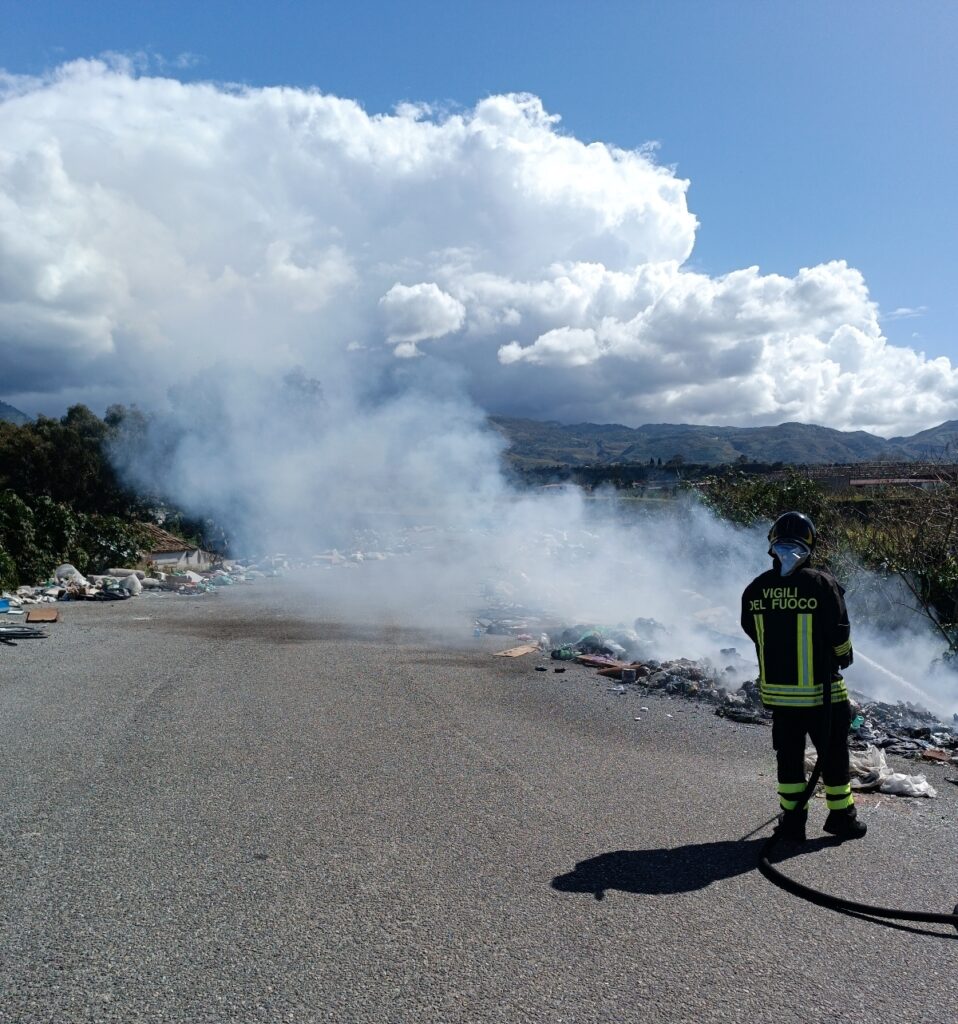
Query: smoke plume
{"points": [[320, 305]]}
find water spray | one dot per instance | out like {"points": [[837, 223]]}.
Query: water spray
{"points": [[931, 703]]}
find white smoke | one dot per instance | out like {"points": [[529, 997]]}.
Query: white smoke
{"points": [[211, 252]]}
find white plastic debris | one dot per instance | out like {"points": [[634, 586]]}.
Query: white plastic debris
{"points": [[868, 769], [907, 785], [131, 584], [67, 573], [864, 762]]}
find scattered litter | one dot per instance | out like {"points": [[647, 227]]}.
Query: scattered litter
{"points": [[541, 668], [120, 584], [748, 716], [10, 634], [558, 670]]}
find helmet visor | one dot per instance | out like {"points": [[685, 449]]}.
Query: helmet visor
{"points": [[790, 554]]}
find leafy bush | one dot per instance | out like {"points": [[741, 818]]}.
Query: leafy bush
{"points": [[747, 500], [906, 534], [35, 540]]}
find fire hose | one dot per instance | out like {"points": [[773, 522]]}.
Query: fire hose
{"points": [[817, 896]]}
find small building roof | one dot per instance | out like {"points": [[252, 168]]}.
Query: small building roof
{"points": [[162, 540]]}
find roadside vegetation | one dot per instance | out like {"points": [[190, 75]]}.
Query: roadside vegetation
{"points": [[62, 499], [908, 534]]}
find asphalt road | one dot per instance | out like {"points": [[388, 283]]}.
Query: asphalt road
{"points": [[239, 808]]}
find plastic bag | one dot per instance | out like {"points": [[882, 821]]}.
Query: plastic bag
{"points": [[869, 770], [132, 584], [907, 785]]}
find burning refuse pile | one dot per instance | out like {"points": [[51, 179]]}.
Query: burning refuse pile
{"points": [[623, 654], [906, 730]]}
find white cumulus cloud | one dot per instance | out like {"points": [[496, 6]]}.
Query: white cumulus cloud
{"points": [[152, 230], [419, 312]]}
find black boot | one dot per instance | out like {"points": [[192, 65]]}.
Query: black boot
{"points": [[845, 824], [791, 825]]}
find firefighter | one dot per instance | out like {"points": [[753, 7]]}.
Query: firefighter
{"points": [[796, 617]]}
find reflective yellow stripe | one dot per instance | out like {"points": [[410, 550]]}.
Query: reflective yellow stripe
{"points": [[791, 787], [835, 790], [760, 634], [839, 803], [800, 696], [843, 648], [803, 636]]}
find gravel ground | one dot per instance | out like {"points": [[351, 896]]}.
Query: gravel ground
{"points": [[239, 808]]}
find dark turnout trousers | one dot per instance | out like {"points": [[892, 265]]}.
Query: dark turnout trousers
{"points": [[790, 726]]}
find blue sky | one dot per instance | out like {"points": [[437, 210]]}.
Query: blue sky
{"points": [[810, 132]]}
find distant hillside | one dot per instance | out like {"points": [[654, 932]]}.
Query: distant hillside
{"points": [[939, 442], [535, 443], [10, 415]]}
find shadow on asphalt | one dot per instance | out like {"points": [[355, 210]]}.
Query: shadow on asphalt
{"points": [[671, 870]]}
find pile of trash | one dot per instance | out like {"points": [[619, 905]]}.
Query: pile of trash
{"points": [[622, 655], [904, 729], [68, 584], [693, 680], [901, 729]]}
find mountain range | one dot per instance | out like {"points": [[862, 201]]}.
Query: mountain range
{"points": [[544, 443], [10, 415], [532, 443]]}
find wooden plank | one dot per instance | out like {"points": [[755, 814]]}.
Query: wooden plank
{"points": [[517, 652]]}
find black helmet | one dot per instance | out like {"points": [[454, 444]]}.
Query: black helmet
{"points": [[793, 526]]}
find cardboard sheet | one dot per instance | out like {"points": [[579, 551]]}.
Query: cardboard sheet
{"points": [[517, 652], [43, 615]]}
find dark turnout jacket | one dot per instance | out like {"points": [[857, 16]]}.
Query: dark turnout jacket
{"points": [[799, 625]]}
